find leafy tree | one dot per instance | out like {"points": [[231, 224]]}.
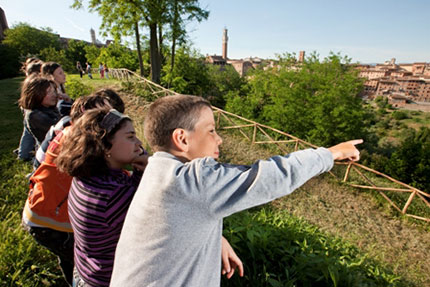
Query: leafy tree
{"points": [[124, 18], [118, 56], [177, 8], [190, 74], [399, 115], [76, 52], [120, 18], [223, 80], [27, 40], [59, 56], [410, 162], [314, 100], [92, 54], [9, 58], [382, 104]]}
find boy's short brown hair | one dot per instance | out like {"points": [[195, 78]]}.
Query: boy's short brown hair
{"points": [[169, 113]]}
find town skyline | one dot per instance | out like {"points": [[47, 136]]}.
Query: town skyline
{"points": [[366, 32]]}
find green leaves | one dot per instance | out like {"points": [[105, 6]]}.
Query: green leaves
{"points": [[28, 40], [316, 101], [280, 250]]}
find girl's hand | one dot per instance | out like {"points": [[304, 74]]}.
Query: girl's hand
{"points": [[140, 162], [64, 97]]}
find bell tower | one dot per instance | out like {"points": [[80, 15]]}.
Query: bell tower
{"points": [[224, 44]]}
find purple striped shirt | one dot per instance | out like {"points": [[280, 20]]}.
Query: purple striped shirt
{"points": [[97, 209]]}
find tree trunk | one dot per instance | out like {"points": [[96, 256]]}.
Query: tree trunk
{"points": [[154, 53], [174, 29], [160, 43], [172, 61], [139, 53]]}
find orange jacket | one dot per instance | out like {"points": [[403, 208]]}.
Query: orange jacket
{"points": [[49, 189]]}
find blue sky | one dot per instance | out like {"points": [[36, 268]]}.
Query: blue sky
{"points": [[368, 31]]}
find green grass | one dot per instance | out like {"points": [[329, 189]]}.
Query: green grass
{"points": [[96, 82]]}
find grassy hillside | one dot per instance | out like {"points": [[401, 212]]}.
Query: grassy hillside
{"points": [[324, 234]]}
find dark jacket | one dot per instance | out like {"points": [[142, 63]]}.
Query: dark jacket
{"points": [[39, 120]]}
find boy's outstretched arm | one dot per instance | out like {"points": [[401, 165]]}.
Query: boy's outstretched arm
{"points": [[346, 150], [230, 261]]}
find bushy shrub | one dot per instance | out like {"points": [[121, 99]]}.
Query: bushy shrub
{"points": [[316, 101], [399, 115], [76, 89], [280, 250]]}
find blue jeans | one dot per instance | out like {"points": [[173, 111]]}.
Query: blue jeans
{"points": [[58, 242], [26, 145], [77, 280]]}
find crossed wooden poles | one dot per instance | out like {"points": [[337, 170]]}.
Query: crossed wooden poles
{"points": [[261, 135]]}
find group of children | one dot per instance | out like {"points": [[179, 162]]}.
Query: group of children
{"points": [[103, 70], [43, 102], [159, 224]]}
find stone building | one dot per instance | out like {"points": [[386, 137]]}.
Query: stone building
{"points": [[216, 60], [412, 80]]}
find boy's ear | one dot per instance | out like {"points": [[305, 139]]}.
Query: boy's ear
{"points": [[180, 140]]}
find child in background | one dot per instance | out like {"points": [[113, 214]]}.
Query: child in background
{"points": [[106, 69], [39, 99], [79, 68], [172, 233], [102, 71], [88, 69], [27, 143], [97, 99], [55, 71]]}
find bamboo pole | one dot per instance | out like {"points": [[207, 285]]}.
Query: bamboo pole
{"points": [[238, 126], [279, 141], [380, 191], [418, 217], [270, 138], [411, 197], [254, 134], [379, 188], [240, 130], [348, 169]]}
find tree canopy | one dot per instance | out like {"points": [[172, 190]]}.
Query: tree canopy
{"points": [[27, 40], [124, 18], [314, 100]]}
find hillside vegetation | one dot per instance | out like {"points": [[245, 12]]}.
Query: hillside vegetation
{"points": [[324, 234]]}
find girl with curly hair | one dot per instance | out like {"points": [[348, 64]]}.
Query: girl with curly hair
{"points": [[100, 145]]}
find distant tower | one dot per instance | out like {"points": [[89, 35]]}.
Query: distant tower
{"points": [[224, 44], [3, 24], [393, 61], [93, 36], [302, 56]]}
